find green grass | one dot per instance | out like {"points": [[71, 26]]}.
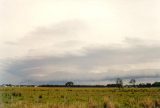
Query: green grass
{"points": [[30, 97]]}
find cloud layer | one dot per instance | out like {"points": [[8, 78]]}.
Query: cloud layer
{"points": [[98, 64], [84, 41]]}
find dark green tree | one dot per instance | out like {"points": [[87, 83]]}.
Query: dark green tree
{"points": [[133, 82], [69, 84], [119, 82]]}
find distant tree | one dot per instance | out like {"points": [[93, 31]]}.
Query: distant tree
{"points": [[143, 85], [69, 84], [133, 82], [156, 84], [119, 82], [148, 85]]}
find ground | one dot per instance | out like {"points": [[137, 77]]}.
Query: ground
{"points": [[38, 97]]}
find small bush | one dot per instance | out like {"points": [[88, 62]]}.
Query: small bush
{"points": [[147, 103], [157, 103], [40, 96], [108, 103], [62, 96], [92, 104], [16, 94]]}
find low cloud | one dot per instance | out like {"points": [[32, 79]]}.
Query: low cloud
{"points": [[98, 64], [59, 53], [56, 39]]}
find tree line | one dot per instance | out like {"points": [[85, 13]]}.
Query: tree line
{"points": [[118, 83]]}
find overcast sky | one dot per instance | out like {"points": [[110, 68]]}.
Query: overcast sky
{"points": [[79, 40]]}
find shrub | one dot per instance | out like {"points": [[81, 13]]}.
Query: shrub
{"points": [[108, 103], [40, 96], [157, 103], [16, 94], [147, 103], [91, 103]]}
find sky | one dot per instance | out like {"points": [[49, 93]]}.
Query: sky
{"points": [[85, 41]]}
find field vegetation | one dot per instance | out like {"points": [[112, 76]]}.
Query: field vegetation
{"points": [[68, 97]]}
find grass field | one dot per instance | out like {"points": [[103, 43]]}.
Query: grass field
{"points": [[30, 97]]}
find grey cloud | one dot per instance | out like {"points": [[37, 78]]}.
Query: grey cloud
{"points": [[57, 32], [61, 30], [10, 43], [73, 67], [56, 39], [63, 27]]}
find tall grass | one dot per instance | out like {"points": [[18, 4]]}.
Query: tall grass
{"points": [[79, 98]]}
